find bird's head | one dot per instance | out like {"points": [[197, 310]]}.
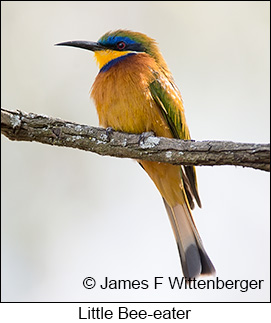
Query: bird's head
{"points": [[119, 43]]}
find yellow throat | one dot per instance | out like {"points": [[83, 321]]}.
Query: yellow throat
{"points": [[102, 57]]}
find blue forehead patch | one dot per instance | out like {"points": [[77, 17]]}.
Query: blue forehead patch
{"points": [[115, 39]]}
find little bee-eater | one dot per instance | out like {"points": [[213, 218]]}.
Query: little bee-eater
{"points": [[134, 92]]}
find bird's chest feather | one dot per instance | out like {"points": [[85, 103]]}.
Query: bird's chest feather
{"points": [[123, 99]]}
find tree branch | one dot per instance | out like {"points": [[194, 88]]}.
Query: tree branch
{"points": [[21, 126]]}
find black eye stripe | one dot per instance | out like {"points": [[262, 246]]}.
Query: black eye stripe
{"points": [[131, 47]]}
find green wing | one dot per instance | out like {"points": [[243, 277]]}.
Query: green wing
{"points": [[169, 100]]}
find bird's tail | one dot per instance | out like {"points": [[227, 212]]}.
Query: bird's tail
{"points": [[194, 259]]}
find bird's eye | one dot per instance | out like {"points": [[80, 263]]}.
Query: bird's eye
{"points": [[121, 45]]}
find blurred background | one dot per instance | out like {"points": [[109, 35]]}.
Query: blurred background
{"points": [[68, 214]]}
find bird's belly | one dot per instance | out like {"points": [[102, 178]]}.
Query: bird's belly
{"points": [[132, 115], [125, 104]]}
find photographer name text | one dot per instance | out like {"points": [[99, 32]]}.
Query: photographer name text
{"points": [[243, 285]]}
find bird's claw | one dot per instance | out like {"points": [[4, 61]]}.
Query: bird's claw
{"points": [[109, 131], [144, 136]]}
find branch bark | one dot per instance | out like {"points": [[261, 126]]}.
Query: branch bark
{"points": [[21, 126]]}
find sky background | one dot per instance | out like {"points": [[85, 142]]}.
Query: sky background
{"points": [[69, 214]]}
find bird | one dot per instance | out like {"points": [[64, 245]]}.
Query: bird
{"points": [[134, 92]]}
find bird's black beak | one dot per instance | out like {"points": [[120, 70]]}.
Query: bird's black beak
{"points": [[89, 45]]}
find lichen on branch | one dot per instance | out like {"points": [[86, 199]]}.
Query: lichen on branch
{"points": [[21, 126]]}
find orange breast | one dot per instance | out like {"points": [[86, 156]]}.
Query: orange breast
{"points": [[123, 99]]}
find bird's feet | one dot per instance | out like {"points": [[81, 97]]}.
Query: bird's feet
{"points": [[144, 136], [109, 131], [148, 140]]}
